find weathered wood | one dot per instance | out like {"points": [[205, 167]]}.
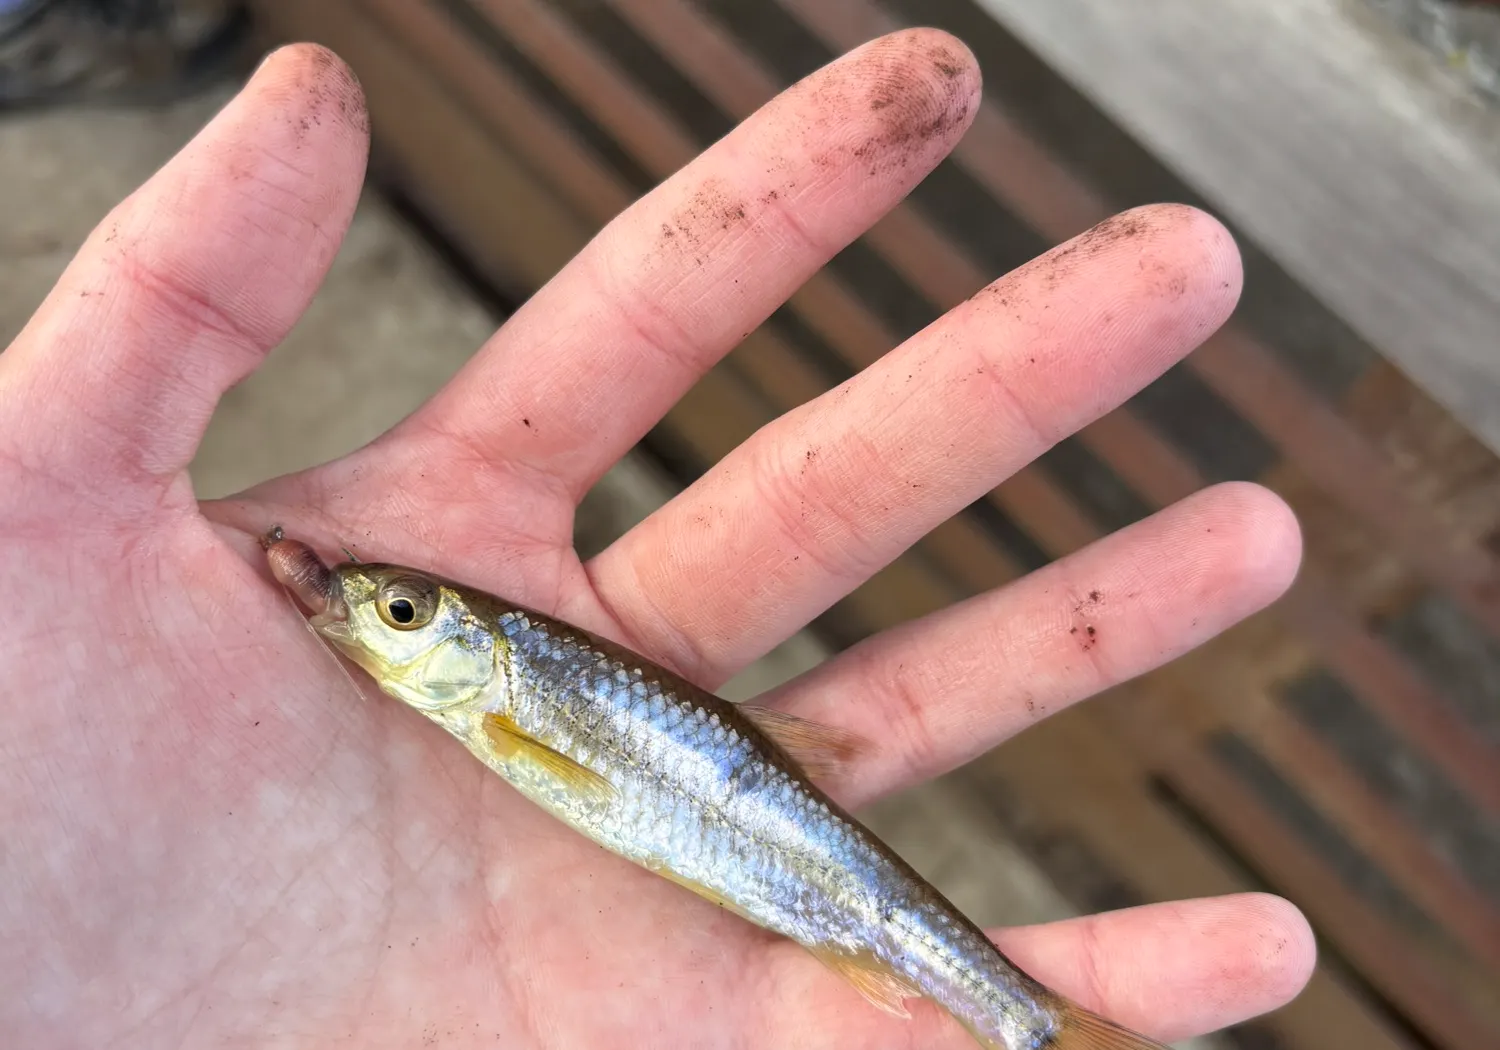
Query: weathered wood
{"points": [[1100, 791], [1437, 994], [1309, 765], [1350, 154]]}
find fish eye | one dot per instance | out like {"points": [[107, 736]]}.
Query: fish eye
{"points": [[407, 603]]}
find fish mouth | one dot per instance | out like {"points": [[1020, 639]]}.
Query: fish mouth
{"points": [[332, 621]]}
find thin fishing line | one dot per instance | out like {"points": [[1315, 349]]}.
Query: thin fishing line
{"points": [[318, 638]]}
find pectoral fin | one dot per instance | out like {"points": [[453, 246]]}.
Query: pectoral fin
{"points": [[872, 979], [512, 743], [821, 751]]}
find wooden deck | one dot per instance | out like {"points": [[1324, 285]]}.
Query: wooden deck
{"points": [[1340, 749], [1381, 195]]}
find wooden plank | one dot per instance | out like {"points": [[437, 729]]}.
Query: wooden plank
{"points": [[1430, 992], [1147, 726], [1309, 765], [1079, 775], [453, 57], [1380, 196], [1418, 434]]}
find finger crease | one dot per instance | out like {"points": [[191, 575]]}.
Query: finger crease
{"points": [[846, 557], [189, 305], [996, 380], [652, 326], [1095, 989], [905, 704], [686, 657]]}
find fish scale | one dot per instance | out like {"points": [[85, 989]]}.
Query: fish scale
{"points": [[710, 794]]}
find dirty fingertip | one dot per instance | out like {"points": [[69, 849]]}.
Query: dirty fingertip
{"points": [[315, 85]]}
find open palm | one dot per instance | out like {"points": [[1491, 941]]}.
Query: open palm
{"points": [[210, 837]]}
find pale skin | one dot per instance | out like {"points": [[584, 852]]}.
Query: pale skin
{"points": [[211, 839]]}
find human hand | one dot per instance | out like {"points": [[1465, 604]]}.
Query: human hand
{"points": [[211, 838]]}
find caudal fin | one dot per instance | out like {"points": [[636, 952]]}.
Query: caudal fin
{"points": [[1082, 1030]]}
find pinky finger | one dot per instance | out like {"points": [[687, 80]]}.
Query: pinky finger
{"points": [[1177, 969]]}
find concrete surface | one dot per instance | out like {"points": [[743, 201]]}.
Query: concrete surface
{"points": [[392, 325]]}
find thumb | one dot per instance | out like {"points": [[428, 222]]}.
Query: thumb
{"points": [[186, 285]]}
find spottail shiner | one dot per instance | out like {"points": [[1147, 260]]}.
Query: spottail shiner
{"points": [[717, 797]]}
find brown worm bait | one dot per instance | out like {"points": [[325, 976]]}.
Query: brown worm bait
{"points": [[298, 568]]}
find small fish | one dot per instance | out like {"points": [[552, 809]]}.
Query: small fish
{"points": [[717, 797]]}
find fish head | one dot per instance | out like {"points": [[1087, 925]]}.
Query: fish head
{"points": [[417, 635]]}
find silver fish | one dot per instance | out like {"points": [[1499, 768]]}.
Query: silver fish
{"points": [[719, 798]]}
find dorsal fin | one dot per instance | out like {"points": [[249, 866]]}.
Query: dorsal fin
{"points": [[822, 751]]}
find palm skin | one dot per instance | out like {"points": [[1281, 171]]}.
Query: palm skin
{"points": [[213, 837]]}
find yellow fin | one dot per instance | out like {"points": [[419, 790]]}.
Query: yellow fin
{"points": [[820, 750], [511, 742], [872, 979], [701, 890], [1082, 1030]]}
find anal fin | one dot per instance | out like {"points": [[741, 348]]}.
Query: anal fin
{"points": [[701, 890], [511, 743], [1083, 1030], [821, 750], [872, 979]]}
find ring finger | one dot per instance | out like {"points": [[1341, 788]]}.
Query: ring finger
{"points": [[931, 694]]}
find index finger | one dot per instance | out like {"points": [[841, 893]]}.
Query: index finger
{"points": [[592, 361]]}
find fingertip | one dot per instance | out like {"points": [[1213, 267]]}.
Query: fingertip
{"points": [[1203, 260], [297, 74], [1175, 969], [1259, 536], [1174, 275], [903, 100], [945, 60], [1284, 951]]}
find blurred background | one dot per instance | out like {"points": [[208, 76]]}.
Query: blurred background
{"points": [[1339, 749]]}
